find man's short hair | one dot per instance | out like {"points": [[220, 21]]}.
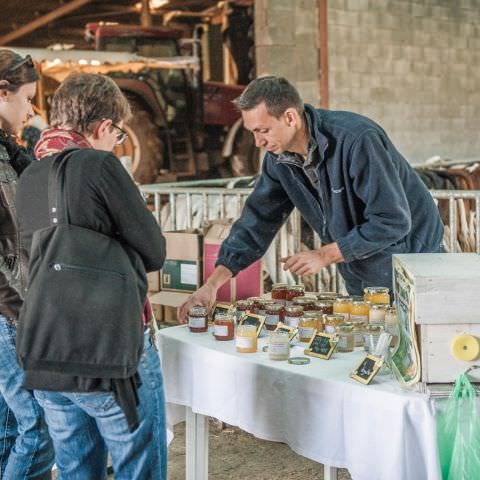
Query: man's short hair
{"points": [[277, 93], [83, 99]]}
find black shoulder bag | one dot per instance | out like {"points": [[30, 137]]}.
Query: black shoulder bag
{"points": [[85, 298]]}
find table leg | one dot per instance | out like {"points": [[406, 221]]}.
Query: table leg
{"points": [[197, 446], [330, 473]]}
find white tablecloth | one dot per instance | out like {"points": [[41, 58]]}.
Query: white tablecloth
{"points": [[378, 432]]}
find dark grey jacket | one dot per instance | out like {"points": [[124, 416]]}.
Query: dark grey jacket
{"points": [[369, 200]]}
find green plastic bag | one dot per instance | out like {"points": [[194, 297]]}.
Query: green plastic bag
{"points": [[458, 433]]}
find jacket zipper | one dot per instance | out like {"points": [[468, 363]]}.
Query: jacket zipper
{"points": [[72, 268]]}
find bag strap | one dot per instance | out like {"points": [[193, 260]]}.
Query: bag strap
{"points": [[57, 200]]}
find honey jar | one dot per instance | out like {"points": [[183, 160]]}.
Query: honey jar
{"points": [[293, 314], [376, 315], [242, 306], [273, 315], [328, 295], [359, 311], [325, 307], [358, 330], [198, 319], [279, 292], [246, 339], [278, 346], [332, 321], [223, 327], [293, 292], [377, 295], [345, 337], [307, 303], [307, 325], [371, 334], [342, 306]]}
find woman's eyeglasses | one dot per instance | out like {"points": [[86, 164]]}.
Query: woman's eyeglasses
{"points": [[122, 135], [24, 61]]}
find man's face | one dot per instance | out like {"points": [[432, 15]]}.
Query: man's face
{"points": [[16, 107], [275, 135]]}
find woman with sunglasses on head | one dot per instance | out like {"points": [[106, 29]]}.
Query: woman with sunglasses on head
{"points": [[25, 446], [90, 416]]}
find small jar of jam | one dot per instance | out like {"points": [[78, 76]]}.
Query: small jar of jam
{"points": [[376, 315], [198, 319], [246, 339], [327, 295], [223, 327], [342, 306], [279, 292], [307, 325], [242, 306], [307, 303], [255, 304], [324, 306], [377, 295], [318, 317], [293, 292], [273, 315], [263, 305], [332, 321], [359, 311], [346, 341], [293, 315]]}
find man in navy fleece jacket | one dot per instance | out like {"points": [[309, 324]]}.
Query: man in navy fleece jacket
{"points": [[345, 176]]}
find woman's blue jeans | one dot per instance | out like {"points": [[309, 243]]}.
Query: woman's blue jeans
{"points": [[26, 451], [86, 426]]}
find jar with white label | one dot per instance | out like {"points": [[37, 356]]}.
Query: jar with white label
{"points": [[307, 325], [345, 338], [331, 322], [197, 319], [359, 311], [273, 315], [342, 306], [376, 315], [246, 339], [278, 346], [223, 327], [293, 315]]}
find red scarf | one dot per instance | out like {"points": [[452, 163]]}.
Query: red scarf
{"points": [[55, 140]]}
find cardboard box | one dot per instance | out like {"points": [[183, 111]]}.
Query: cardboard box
{"points": [[182, 270], [153, 279], [248, 283]]}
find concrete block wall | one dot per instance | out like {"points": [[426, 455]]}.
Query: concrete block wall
{"points": [[412, 66]]}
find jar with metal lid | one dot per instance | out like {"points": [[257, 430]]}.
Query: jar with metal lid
{"points": [[345, 337], [358, 331], [198, 319], [377, 295], [255, 304], [262, 307], [376, 315], [359, 311], [342, 306], [224, 326], [371, 334], [328, 295], [246, 339], [278, 346], [273, 315], [279, 292], [324, 306], [306, 302], [294, 291], [332, 321], [293, 314], [242, 306], [392, 325], [307, 325], [318, 316]]}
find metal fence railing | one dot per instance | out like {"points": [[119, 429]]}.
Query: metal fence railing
{"points": [[187, 205]]}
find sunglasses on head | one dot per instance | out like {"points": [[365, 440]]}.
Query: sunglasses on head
{"points": [[23, 61]]}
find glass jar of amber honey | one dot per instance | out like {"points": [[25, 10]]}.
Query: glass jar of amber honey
{"points": [[223, 327], [342, 306], [377, 295], [273, 315], [332, 321], [197, 319], [293, 314], [307, 325], [359, 311], [246, 339]]}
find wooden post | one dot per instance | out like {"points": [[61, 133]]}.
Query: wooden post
{"points": [[146, 14], [323, 52]]}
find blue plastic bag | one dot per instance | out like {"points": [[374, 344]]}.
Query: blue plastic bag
{"points": [[458, 433]]}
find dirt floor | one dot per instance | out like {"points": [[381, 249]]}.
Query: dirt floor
{"points": [[236, 455]]}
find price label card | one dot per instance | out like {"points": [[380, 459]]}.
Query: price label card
{"points": [[322, 345], [252, 319], [367, 369]]}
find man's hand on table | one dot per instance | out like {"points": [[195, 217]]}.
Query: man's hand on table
{"points": [[312, 261]]}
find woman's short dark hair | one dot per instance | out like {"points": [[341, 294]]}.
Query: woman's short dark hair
{"points": [[15, 70], [83, 99], [277, 93]]}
